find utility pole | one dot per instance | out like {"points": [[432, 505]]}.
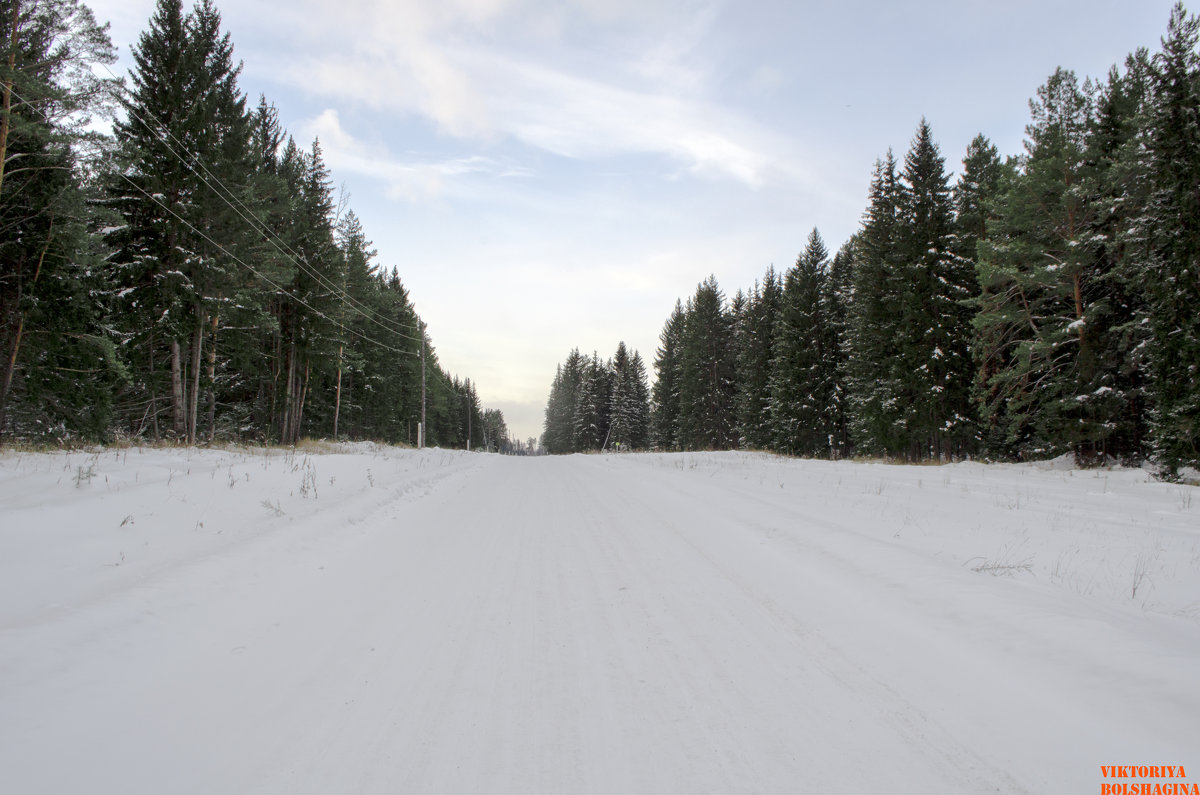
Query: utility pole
{"points": [[421, 428]]}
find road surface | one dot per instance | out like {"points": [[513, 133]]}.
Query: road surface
{"points": [[579, 625]]}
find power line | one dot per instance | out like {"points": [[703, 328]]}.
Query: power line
{"points": [[234, 257], [253, 270], [162, 133]]}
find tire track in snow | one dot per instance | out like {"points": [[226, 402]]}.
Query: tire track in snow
{"points": [[845, 707]]}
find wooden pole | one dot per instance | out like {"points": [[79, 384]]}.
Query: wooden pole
{"points": [[421, 432]]}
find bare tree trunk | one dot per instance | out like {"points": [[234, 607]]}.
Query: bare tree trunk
{"points": [[303, 393], [284, 406], [194, 394], [275, 420], [285, 425], [153, 390], [337, 401], [178, 406], [212, 383]]}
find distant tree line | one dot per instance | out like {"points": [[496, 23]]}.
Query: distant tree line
{"points": [[598, 405], [192, 276], [1044, 304]]}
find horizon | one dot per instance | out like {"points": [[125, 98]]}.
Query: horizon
{"points": [[547, 177]]}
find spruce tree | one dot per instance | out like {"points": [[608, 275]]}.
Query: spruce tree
{"points": [[620, 401], [639, 404], [934, 331], [559, 430], [627, 426], [707, 385], [754, 355], [974, 195], [836, 299], [874, 374], [1118, 396], [310, 334], [668, 368], [593, 405], [804, 365], [984, 179], [1174, 262], [186, 127]]}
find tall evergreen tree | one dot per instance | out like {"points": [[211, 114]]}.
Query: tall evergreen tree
{"points": [[559, 429], [974, 196], [593, 405], [836, 299], [58, 368], [1117, 398], [804, 366], [1174, 263], [1042, 288], [707, 384], [935, 326], [668, 367], [310, 334], [622, 400], [754, 355], [983, 180], [873, 368], [185, 123], [639, 401]]}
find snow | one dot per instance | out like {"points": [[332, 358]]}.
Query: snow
{"points": [[376, 620]]}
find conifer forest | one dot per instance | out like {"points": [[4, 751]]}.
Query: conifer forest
{"points": [[175, 265], [193, 275], [1035, 305]]}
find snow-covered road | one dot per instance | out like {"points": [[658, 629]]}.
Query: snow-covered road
{"points": [[435, 622]]}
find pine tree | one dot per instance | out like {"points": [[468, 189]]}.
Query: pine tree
{"points": [[1041, 286], [59, 367]]}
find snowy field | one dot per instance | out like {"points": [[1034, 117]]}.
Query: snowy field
{"points": [[386, 621]]}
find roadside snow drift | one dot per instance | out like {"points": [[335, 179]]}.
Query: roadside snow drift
{"points": [[383, 621]]}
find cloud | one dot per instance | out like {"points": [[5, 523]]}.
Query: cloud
{"points": [[413, 179], [473, 71], [581, 117]]}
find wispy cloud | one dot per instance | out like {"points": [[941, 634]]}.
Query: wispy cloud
{"points": [[443, 66], [407, 177]]}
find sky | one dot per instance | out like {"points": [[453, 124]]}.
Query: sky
{"points": [[550, 175]]}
